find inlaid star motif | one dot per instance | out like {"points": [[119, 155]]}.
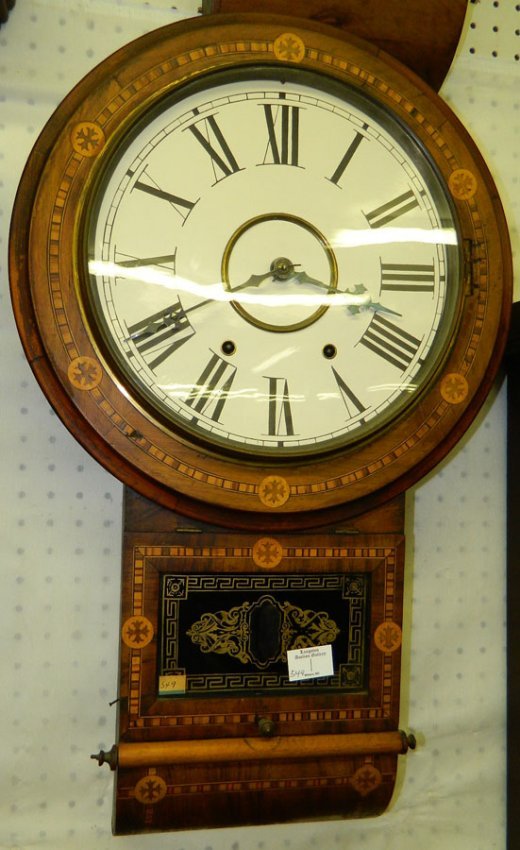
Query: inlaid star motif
{"points": [[388, 637], [366, 779], [150, 790], [267, 552], [289, 47], [454, 388], [463, 184], [87, 138], [84, 373], [274, 491], [137, 632]]}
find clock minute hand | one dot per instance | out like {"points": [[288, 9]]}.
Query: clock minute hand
{"points": [[303, 277], [373, 305], [282, 269], [358, 291], [166, 319]]}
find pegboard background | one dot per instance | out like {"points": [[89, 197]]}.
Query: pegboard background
{"points": [[60, 524]]}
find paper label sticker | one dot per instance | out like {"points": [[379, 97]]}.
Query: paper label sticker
{"points": [[312, 662], [172, 684]]}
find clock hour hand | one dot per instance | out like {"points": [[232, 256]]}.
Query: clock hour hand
{"points": [[280, 269], [155, 325], [303, 277], [254, 280]]}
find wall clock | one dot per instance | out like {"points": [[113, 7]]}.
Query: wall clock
{"points": [[263, 275]]}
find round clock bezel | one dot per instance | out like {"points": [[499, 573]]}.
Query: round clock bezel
{"points": [[173, 470], [115, 363]]}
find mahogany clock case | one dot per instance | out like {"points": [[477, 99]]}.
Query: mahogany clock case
{"points": [[211, 730], [329, 748], [83, 382]]}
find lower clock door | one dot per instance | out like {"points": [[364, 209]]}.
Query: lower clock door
{"points": [[220, 721]]}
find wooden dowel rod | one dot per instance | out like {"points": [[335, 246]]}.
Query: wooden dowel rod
{"points": [[247, 749]]}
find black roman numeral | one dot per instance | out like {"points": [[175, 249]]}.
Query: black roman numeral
{"points": [[280, 420], [181, 205], [392, 209], [157, 336], [407, 277], [213, 388], [390, 342], [350, 400], [347, 156], [214, 143], [146, 262], [283, 128]]}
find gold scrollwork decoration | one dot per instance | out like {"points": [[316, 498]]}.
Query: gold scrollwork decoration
{"points": [[261, 632]]}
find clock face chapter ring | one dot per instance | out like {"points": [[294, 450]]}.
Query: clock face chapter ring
{"points": [[260, 268]]}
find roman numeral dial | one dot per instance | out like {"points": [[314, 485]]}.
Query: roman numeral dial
{"points": [[352, 404], [280, 418], [273, 272], [158, 336], [147, 185], [346, 158], [208, 134], [283, 128], [212, 389], [392, 210], [407, 277], [390, 342]]}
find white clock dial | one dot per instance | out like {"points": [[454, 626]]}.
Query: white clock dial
{"points": [[273, 263]]}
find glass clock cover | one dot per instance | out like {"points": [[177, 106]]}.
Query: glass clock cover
{"points": [[273, 262]]}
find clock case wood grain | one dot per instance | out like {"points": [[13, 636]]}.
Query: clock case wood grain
{"points": [[187, 760]]}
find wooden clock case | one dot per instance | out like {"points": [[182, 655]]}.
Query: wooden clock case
{"points": [[222, 742]]}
